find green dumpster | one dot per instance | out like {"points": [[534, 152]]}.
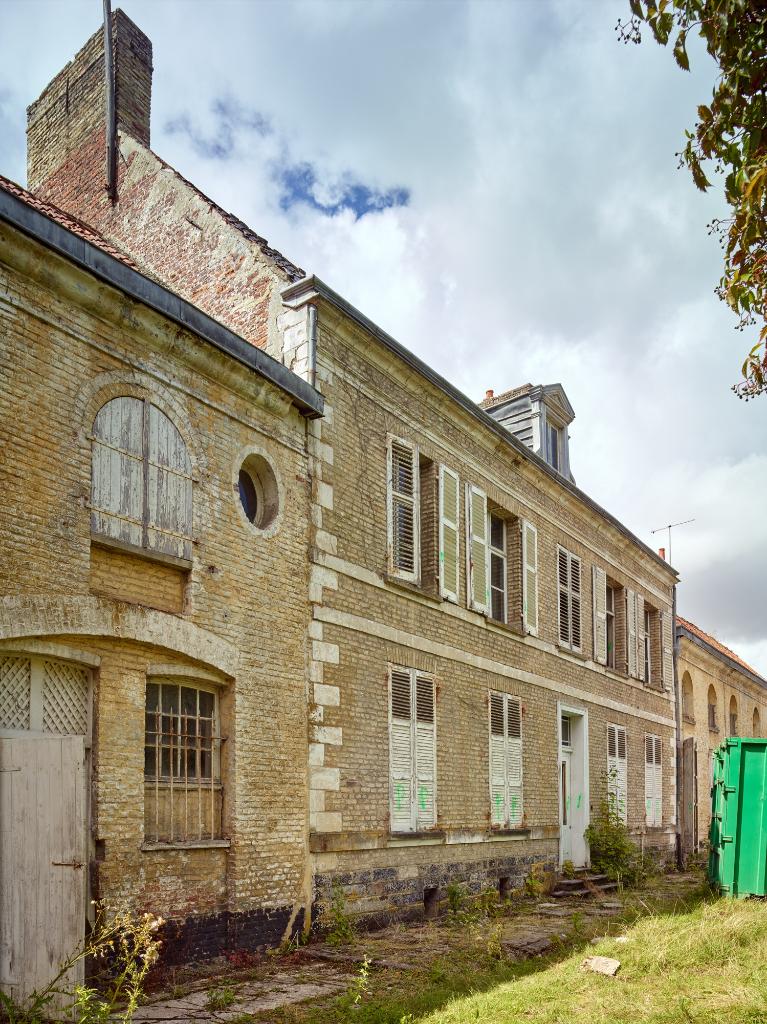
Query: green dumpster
{"points": [[737, 863]]}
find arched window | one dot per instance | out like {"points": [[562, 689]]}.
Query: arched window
{"points": [[733, 716], [756, 725], [688, 707], [141, 492], [712, 712]]}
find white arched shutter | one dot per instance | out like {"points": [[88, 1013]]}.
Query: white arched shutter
{"points": [[117, 471], [530, 578], [477, 552], [448, 533], [599, 583], [169, 488]]}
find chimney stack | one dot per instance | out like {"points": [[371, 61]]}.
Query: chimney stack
{"points": [[67, 121], [662, 553], [488, 394]]}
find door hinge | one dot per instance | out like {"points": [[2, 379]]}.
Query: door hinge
{"points": [[67, 864]]}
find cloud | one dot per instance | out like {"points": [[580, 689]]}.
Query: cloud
{"points": [[230, 118]]}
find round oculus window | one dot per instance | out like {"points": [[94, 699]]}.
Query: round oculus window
{"points": [[258, 491]]}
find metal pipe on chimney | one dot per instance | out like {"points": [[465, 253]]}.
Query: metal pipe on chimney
{"points": [[111, 115]]}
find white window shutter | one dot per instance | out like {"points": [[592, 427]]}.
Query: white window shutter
{"points": [[631, 632], [514, 760], [403, 500], [449, 499], [117, 471], [498, 784], [563, 589], [653, 781], [575, 602], [599, 583], [477, 549], [169, 488], [658, 783], [617, 774], [425, 809], [401, 751], [529, 578], [640, 634], [667, 641]]}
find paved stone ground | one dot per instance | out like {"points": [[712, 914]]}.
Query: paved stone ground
{"points": [[531, 927]]}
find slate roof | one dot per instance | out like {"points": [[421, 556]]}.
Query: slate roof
{"points": [[713, 642], [66, 220]]}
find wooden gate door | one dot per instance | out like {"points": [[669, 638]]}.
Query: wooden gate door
{"points": [[689, 808], [42, 859]]}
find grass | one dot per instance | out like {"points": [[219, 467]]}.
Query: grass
{"points": [[693, 960]]}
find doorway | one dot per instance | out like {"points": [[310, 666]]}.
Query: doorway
{"points": [[573, 784]]}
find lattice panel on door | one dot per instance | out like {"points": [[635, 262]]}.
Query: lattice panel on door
{"points": [[65, 699], [15, 687]]}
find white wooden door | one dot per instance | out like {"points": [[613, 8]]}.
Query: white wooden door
{"points": [[566, 822], [42, 859]]}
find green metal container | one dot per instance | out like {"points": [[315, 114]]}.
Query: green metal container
{"points": [[737, 863]]}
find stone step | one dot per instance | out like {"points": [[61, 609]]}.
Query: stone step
{"points": [[571, 883]]}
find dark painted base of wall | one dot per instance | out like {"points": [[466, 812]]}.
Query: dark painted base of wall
{"points": [[211, 935], [379, 896]]}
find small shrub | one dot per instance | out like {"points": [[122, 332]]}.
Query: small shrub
{"points": [[535, 883], [334, 921], [221, 997], [456, 900], [568, 869], [612, 851]]}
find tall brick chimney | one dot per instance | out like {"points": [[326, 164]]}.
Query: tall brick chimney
{"points": [[66, 124]]}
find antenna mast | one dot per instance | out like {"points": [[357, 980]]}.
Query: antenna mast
{"points": [[670, 527]]}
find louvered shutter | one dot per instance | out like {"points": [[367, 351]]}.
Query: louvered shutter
{"points": [[117, 471], [575, 602], [530, 578], [401, 752], [498, 783], [653, 781], [622, 780], [631, 632], [403, 509], [448, 533], [658, 789], [514, 760], [616, 769], [477, 552], [667, 659], [169, 488], [599, 583], [640, 637], [425, 810], [563, 581]]}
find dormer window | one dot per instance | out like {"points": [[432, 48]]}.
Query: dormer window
{"points": [[555, 445]]}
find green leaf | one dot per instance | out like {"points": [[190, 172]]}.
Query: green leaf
{"points": [[636, 9], [680, 53]]}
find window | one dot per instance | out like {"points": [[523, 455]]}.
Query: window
{"points": [[478, 589], [569, 587], [653, 776], [756, 724], [688, 703], [617, 773], [713, 724], [412, 750], [39, 694], [449, 513], [505, 761], [529, 578], [182, 746], [258, 491], [554, 446], [141, 479], [403, 508], [647, 647], [610, 631], [564, 727], [733, 717], [498, 568]]}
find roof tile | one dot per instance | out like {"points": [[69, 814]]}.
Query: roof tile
{"points": [[713, 642]]}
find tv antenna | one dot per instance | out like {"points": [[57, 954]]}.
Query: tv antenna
{"points": [[670, 527]]}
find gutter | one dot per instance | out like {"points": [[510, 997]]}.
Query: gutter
{"points": [[296, 293], [680, 858], [130, 282]]}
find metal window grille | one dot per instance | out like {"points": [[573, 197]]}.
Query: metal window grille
{"points": [[182, 757]]}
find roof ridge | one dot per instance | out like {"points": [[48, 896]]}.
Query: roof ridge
{"points": [[717, 644]]}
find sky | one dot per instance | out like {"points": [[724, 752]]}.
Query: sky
{"points": [[495, 184]]}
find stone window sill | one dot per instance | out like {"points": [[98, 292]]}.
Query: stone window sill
{"points": [[190, 844], [429, 838], [508, 833], [110, 544], [412, 588], [578, 655]]}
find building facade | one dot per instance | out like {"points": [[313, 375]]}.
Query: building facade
{"points": [[431, 657], [720, 696], [152, 659]]}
